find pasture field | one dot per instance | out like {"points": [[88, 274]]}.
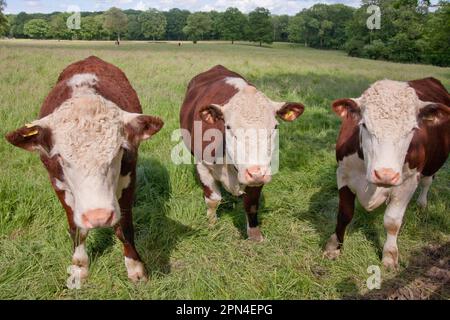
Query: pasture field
{"points": [[185, 258]]}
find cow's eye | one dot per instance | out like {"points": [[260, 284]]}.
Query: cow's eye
{"points": [[228, 127], [364, 125]]}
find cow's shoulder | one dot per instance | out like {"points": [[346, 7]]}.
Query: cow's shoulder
{"points": [[213, 76], [431, 89], [215, 86]]}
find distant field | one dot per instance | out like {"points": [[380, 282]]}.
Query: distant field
{"points": [[186, 259]]}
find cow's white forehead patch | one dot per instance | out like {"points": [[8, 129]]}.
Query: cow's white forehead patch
{"points": [[250, 108], [389, 108], [237, 83], [83, 79], [82, 83], [87, 131]]}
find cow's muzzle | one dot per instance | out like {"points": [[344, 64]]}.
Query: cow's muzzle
{"points": [[386, 177], [257, 175], [97, 218]]}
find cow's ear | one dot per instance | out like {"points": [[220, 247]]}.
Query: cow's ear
{"points": [[140, 127], [345, 107], [31, 138], [290, 111], [211, 114], [434, 114]]}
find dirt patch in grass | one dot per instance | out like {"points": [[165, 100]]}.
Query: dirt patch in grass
{"points": [[427, 277]]}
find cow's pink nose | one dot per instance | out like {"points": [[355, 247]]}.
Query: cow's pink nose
{"points": [[97, 218], [386, 176], [256, 175]]}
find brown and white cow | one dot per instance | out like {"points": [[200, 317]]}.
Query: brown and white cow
{"points": [[88, 134], [393, 138], [222, 101]]}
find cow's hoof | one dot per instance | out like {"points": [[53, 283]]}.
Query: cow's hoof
{"points": [[212, 220], [332, 254], [390, 259], [332, 248], [254, 234], [138, 277], [77, 275], [136, 270], [422, 203]]}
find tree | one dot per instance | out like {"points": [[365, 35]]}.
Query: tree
{"points": [[92, 28], [176, 21], [134, 30], [4, 25], [58, 27], [296, 28], [437, 34], [280, 27], [116, 22], [36, 28], [260, 26], [233, 24], [324, 26], [215, 32], [197, 25], [153, 24], [401, 37], [17, 23]]}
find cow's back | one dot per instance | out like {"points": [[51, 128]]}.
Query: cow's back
{"points": [[432, 90], [112, 84]]}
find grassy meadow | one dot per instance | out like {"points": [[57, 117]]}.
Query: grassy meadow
{"points": [[184, 257]]}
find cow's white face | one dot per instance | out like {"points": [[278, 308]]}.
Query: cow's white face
{"points": [[251, 130], [88, 136], [387, 114]]}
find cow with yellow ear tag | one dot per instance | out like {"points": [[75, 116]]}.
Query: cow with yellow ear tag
{"points": [[231, 129], [87, 135]]}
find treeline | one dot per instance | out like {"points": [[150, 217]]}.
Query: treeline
{"points": [[176, 24], [411, 30]]}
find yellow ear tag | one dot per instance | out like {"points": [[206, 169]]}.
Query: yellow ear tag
{"points": [[290, 115], [31, 133], [430, 118]]}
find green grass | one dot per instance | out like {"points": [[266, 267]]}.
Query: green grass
{"points": [[185, 258]]}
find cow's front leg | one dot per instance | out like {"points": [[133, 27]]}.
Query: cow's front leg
{"points": [[345, 216], [425, 183], [393, 218], [78, 271], [211, 192], [125, 232], [251, 205]]}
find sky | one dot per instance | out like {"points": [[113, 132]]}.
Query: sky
{"points": [[275, 6]]}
